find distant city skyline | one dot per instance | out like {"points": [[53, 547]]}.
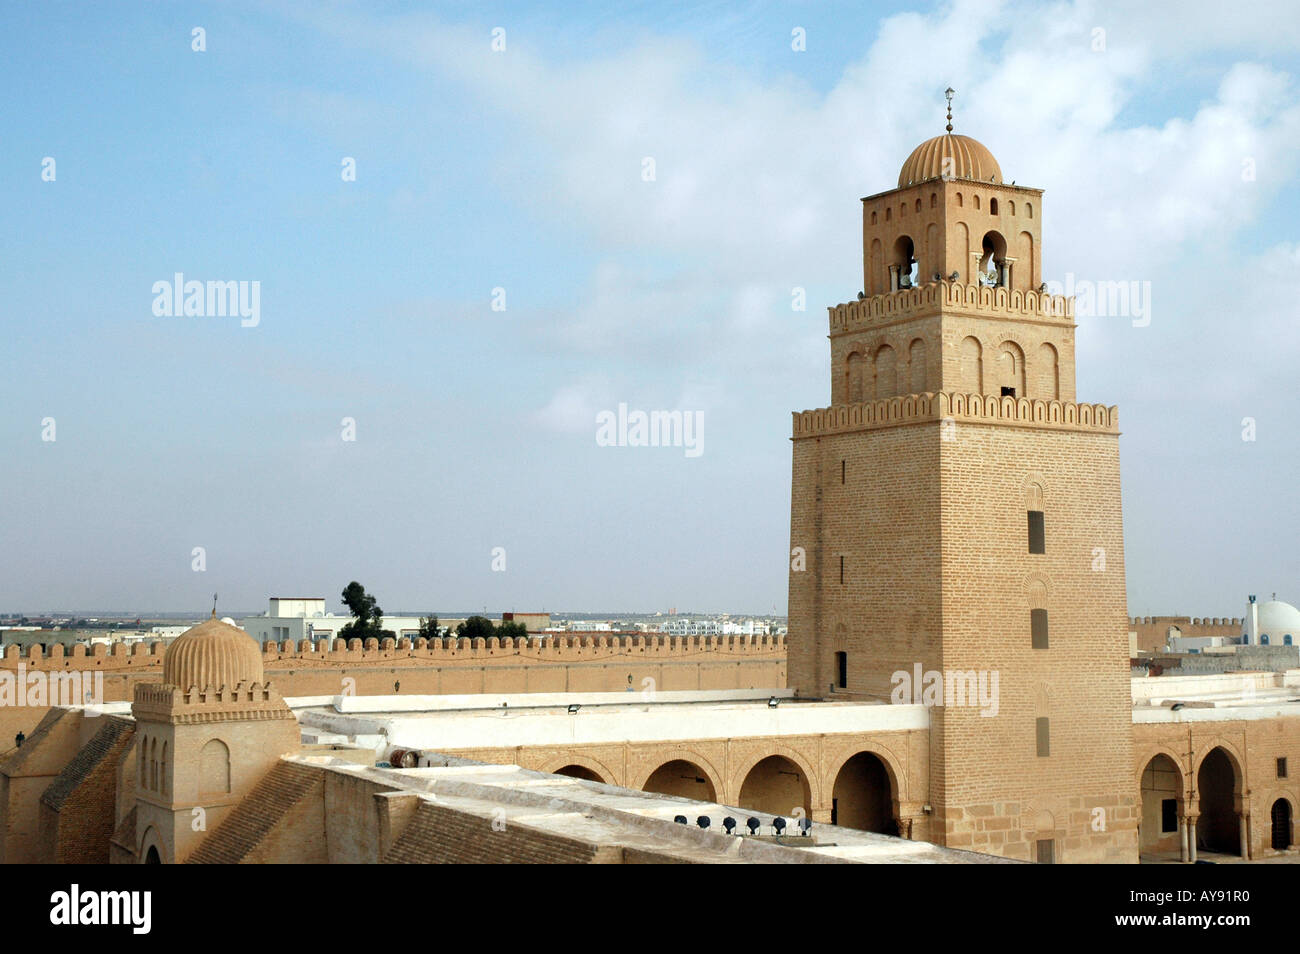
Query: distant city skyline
{"points": [[465, 270]]}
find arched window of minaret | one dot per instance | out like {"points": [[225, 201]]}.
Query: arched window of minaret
{"points": [[976, 200], [1011, 208], [1029, 209], [1025, 264], [879, 277], [153, 765], [1047, 376], [903, 264], [918, 205], [1011, 370], [873, 218], [853, 378], [142, 776], [214, 767], [993, 260], [993, 206], [961, 250], [933, 255], [959, 201], [916, 364], [889, 214], [972, 366], [886, 372], [934, 199], [162, 770]]}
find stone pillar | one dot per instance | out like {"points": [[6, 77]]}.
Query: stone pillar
{"points": [[1007, 264], [1242, 806], [1182, 840], [1191, 839], [893, 278], [821, 816]]}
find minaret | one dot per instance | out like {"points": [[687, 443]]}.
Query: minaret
{"points": [[959, 511]]}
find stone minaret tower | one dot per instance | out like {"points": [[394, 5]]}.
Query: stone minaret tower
{"points": [[205, 737], [956, 510]]}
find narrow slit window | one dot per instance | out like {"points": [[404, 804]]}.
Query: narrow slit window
{"points": [[841, 569], [1037, 532], [1042, 727], [1038, 628], [842, 670]]}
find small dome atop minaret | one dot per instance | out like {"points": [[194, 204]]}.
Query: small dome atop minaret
{"points": [[971, 159], [212, 654]]}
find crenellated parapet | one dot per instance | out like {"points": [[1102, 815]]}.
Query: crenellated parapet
{"points": [[163, 703], [587, 647], [928, 299], [956, 407]]}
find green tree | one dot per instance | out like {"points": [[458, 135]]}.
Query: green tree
{"points": [[476, 627], [512, 631], [367, 617], [429, 627]]}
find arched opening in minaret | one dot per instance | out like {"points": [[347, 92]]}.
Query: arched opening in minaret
{"points": [[903, 264], [1218, 828], [886, 373], [863, 796], [1048, 378], [151, 856], [993, 260], [1011, 370], [972, 366], [854, 378]]}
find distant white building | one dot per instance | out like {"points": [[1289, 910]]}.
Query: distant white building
{"points": [[680, 626], [587, 626], [299, 618]]}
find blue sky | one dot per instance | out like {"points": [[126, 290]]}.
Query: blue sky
{"points": [[521, 170]]}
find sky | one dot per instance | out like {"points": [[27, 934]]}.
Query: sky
{"points": [[413, 402]]}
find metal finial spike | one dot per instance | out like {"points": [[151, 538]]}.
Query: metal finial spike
{"points": [[214, 605], [948, 93]]}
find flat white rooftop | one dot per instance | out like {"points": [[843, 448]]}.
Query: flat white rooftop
{"points": [[607, 814], [448, 723], [1216, 697]]}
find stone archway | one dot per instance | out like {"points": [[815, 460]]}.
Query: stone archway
{"points": [[864, 795], [683, 779], [1161, 790], [776, 785], [573, 770], [151, 848], [1217, 784]]}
